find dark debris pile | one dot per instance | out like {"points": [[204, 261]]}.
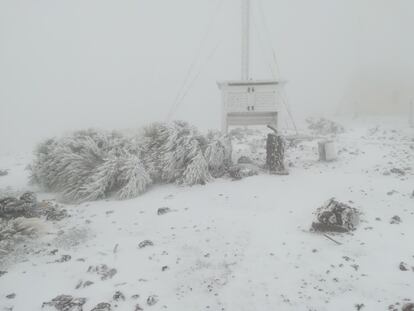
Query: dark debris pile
{"points": [[335, 216]]}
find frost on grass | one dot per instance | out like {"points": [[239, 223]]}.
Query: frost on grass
{"points": [[92, 165]]}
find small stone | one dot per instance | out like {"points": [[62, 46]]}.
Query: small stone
{"points": [[395, 220], [11, 296], [165, 268], [2, 273], [397, 171], [103, 306], [135, 296], [118, 296], [359, 306], [239, 171], [66, 303], [79, 285], [403, 266], [408, 307], [103, 270], [64, 258], [163, 210], [152, 300], [145, 243]]}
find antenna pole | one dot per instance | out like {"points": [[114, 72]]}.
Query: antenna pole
{"points": [[245, 55]]}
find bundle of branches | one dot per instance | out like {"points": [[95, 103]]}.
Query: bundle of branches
{"points": [[91, 165]]}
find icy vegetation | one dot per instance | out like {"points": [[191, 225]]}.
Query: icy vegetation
{"points": [[323, 126], [91, 165], [231, 244]]}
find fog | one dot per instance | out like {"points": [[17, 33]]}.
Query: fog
{"points": [[73, 64]]}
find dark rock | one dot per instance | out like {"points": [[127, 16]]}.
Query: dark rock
{"points": [[11, 296], [240, 171], [395, 220], [66, 303], [403, 266], [163, 210], [244, 160], [64, 258], [408, 307], [397, 171], [103, 270], [83, 284], [103, 306], [79, 285], [2, 273], [118, 296], [359, 306], [145, 243], [53, 211], [335, 217], [25, 206], [152, 300], [3, 172]]}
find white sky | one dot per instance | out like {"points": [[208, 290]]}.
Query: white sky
{"points": [[72, 64]]}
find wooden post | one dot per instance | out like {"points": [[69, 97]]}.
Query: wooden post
{"points": [[275, 152]]}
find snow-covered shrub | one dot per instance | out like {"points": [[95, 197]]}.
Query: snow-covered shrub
{"points": [[322, 126], [91, 165], [218, 153], [177, 152], [88, 165], [19, 229], [133, 177]]}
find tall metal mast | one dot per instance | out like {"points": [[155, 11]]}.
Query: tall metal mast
{"points": [[245, 40]]}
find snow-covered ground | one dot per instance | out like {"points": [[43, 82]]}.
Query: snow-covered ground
{"points": [[235, 245]]}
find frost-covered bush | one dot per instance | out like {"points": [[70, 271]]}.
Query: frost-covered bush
{"points": [[177, 152], [19, 229], [322, 126], [91, 165], [218, 153]]}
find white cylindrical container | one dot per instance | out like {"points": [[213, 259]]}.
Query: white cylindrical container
{"points": [[327, 150]]}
